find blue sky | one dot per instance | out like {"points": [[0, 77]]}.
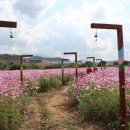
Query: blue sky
{"points": [[51, 27]]}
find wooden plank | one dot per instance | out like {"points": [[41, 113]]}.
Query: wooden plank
{"points": [[8, 24], [90, 57], [26, 55], [70, 53], [105, 26]]}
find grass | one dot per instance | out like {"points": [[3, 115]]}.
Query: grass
{"points": [[97, 105], [47, 83], [11, 113], [44, 117]]}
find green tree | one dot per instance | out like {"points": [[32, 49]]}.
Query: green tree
{"points": [[89, 63]]}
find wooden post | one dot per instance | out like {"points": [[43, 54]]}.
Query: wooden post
{"points": [[119, 30], [76, 69], [21, 67], [62, 62], [93, 62], [21, 70], [101, 62]]}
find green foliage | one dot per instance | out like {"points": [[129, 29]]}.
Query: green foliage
{"points": [[43, 84], [115, 63], [89, 63], [52, 66], [96, 104], [82, 65], [46, 83], [101, 105], [67, 79], [12, 112], [33, 66], [72, 100], [29, 87], [36, 67], [126, 63], [10, 115], [3, 66], [55, 81], [70, 65], [103, 63], [15, 67]]}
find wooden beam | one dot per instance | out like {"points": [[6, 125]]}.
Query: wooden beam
{"points": [[8, 24], [26, 55], [65, 53], [105, 26], [99, 59], [90, 57]]}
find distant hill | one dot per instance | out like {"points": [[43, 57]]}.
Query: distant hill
{"points": [[8, 58], [14, 59]]}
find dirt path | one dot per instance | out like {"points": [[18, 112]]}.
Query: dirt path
{"points": [[59, 116], [32, 115], [48, 111]]}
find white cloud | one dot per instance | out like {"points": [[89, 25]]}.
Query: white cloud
{"points": [[6, 10], [33, 8], [68, 30], [75, 24]]}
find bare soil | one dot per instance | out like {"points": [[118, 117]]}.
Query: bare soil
{"points": [[54, 115]]}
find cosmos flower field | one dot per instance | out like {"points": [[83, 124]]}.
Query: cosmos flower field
{"points": [[105, 78], [96, 94], [10, 83]]}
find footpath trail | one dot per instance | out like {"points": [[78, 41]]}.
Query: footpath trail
{"points": [[49, 112], [32, 115], [59, 116]]}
